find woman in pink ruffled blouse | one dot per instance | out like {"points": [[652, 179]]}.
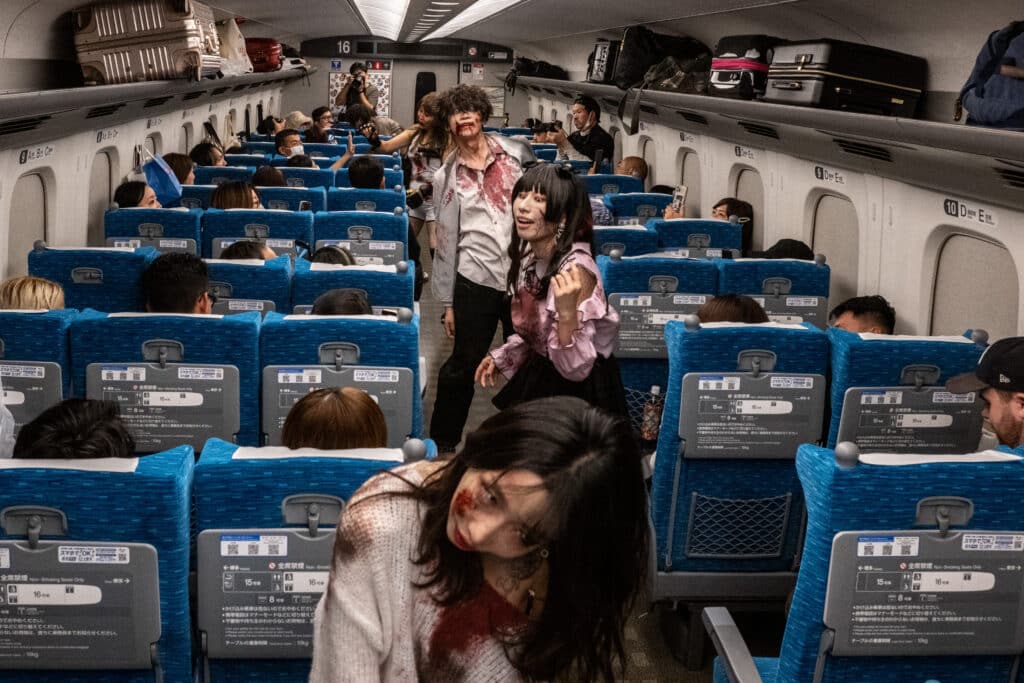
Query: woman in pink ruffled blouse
{"points": [[565, 328]]}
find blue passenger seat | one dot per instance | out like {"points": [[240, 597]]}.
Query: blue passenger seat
{"points": [[102, 278]]}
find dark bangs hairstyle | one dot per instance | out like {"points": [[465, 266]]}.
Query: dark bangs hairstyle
{"points": [[465, 97], [567, 199], [595, 531]]}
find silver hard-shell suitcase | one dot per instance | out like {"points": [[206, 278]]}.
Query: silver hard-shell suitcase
{"points": [[146, 40]]}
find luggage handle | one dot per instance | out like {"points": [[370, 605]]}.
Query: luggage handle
{"points": [[788, 85], [634, 124]]}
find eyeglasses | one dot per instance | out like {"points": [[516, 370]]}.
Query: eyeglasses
{"points": [[326, 117]]}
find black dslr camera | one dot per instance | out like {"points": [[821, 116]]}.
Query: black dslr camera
{"points": [[414, 198], [547, 127]]}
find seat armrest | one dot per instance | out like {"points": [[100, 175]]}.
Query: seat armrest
{"points": [[730, 646]]}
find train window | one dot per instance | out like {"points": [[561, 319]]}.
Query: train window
{"points": [[230, 125], [540, 112], [750, 189], [689, 162], [617, 140], [554, 114], [837, 236], [152, 143], [28, 221], [976, 285], [248, 120], [101, 181], [186, 139], [647, 153]]}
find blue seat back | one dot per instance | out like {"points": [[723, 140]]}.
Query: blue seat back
{"points": [[392, 178], [748, 276], [748, 509], [334, 225], [637, 207], [256, 223], [228, 340], [261, 147], [197, 196], [308, 177], [676, 233], [605, 183], [39, 336], [325, 149], [103, 279], [215, 175], [152, 505], [292, 198], [384, 285], [353, 199], [382, 341], [545, 154], [388, 161], [322, 163], [269, 280], [163, 229], [879, 360], [878, 498], [632, 240]]}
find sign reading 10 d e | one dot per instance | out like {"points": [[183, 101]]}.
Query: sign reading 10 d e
{"points": [[972, 213]]}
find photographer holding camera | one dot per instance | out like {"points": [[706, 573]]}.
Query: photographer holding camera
{"points": [[358, 90]]}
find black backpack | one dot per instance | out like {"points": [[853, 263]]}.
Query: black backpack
{"points": [[642, 48], [528, 67], [991, 98]]}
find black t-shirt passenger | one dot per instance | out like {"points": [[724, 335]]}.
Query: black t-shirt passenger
{"points": [[597, 138]]}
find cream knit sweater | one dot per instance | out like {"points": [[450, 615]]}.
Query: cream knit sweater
{"points": [[373, 624]]}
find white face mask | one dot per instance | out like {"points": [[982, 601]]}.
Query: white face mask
{"points": [[295, 151]]}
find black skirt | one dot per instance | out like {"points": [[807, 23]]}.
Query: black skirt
{"points": [[538, 378]]}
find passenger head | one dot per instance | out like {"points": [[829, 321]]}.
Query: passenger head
{"points": [[235, 194], [334, 419], [550, 205], [298, 121], [183, 167], [76, 428], [270, 125], [786, 248], [429, 109], [300, 161], [559, 481], [357, 68], [26, 292], [727, 207], [322, 118], [268, 176], [585, 112], [731, 308], [358, 115], [135, 193], [999, 380], [288, 142], [342, 301], [333, 254], [864, 314], [465, 109], [662, 189], [247, 249], [632, 166], [177, 283], [366, 173], [208, 154]]}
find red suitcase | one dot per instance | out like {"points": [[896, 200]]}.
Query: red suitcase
{"points": [[266, 54]]}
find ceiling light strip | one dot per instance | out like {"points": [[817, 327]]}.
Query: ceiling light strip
{"points": [[475, 13]]}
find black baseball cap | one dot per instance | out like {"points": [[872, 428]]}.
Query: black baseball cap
{"points": [[786, 248], [1000, 367]]}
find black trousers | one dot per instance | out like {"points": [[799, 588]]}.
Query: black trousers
{"points": [[478, 310]]}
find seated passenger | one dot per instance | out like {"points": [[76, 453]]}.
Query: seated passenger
{"points": [[342, 301], [366, 173], [269, 125], [26, 292], [333, 253], [177, 283], [288, 142], [182, 166], [366, 121], [136, 193], [334, 419], [76, 428], [323, 119], [864, 314], [301, 161], [268, 176], [495, 565], [731, 308], [786, 248], [565, 330], [235, 194], [723, 210], [248, 249], [999, 379], [662, 189], [208, 154], [634, 167], [297, 121]]}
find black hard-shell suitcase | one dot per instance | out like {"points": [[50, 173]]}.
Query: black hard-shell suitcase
{"points": [[834, 74], [739, 67], [601, 63]]}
